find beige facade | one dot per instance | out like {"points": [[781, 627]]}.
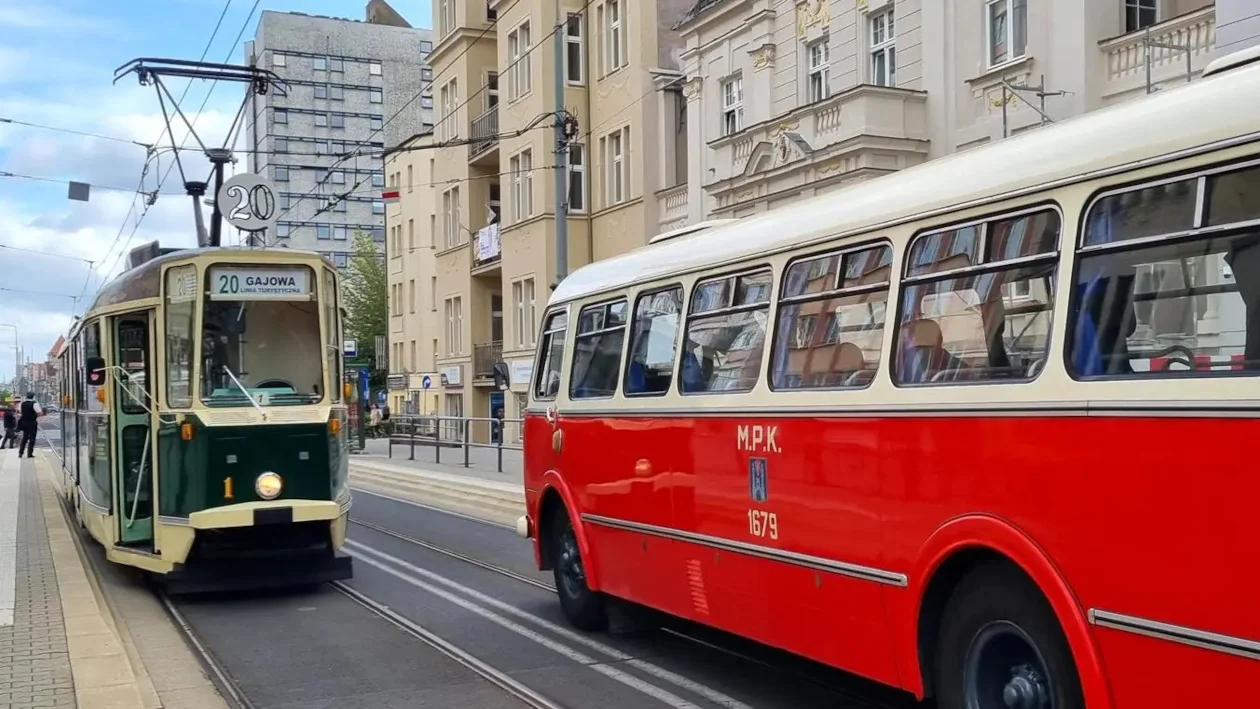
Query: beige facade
{"points": [[412, 270]]}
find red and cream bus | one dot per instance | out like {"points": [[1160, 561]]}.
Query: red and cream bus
{"points": [[971, 429]]}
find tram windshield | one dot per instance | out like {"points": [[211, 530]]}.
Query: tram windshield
{"points": [[260, 338]]}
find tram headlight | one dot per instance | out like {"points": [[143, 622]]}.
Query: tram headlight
{"points": [[268, 486]]}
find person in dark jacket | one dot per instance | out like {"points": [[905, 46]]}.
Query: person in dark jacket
{"points": [[28, 424], [10, 427]]}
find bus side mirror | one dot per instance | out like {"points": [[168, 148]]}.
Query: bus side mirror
{"points": [[502, 380], [95, 371]]}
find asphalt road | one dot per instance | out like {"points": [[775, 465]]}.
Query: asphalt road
{"points": [[472, 585]]}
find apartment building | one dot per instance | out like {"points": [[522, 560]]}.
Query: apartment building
{"points": [[494, 221], [346, 79], [702, 109], [412, 274]]}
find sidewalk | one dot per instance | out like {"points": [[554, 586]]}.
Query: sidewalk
{"points": [[56, 647], [492, 496]]}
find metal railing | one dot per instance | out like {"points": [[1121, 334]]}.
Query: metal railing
{"points": [[485, 131], [484, 357], [458, 434]]}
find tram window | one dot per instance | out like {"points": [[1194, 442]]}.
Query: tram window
{"points": [[1188, 305], [1139, 213], [334, 336], [654, 341], [133, 358], [547, 384], [726, 334], [597, 350], [181, 302], [266, 347], [831, 320], [977, 300]]}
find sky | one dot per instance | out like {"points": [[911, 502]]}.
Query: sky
{"points": [[57, 63]]}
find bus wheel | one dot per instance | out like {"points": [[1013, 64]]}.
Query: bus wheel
{"points": [[583, 607], [1001, 647]]}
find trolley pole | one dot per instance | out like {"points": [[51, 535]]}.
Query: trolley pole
{"points": [[562, 171]]}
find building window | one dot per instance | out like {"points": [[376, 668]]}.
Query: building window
{"points": [[374, 68], [341, 259], [1140, 14], [519, 74], [614, 55], [433, 294], [282, 230], [336, 65], [446, 17], [425, 46], [426, 74], [375, 95], [574, 64], [378, 207], [378, 179], [321, 91], [617, 177], [338, 177], [340, 206], [1007, 30], [377, 122], [883, 50], [280, 115], [521, 166], [523, 312], [285, 202], [282, 173], [411, 295], [277, 59], [340, 232], [732, 106], [411, 185], [819, 71], [577, 177], [449, 98], [337, 93], [323, 231], [320, 63], [321, 120], [337, 120], [454, 326], [492, 89], [281, 145], [450, 217]]}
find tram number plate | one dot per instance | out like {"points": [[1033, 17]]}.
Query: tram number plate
{"points": [[763, 524]]}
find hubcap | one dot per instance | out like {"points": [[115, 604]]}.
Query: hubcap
{"points": [[1005, 670], [572, 577]]}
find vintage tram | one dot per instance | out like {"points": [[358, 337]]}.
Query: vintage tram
{"points": [[204, 419]]}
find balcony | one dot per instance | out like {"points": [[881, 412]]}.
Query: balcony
{"points": [[1133, 61], [673, 207], [484, 357], [485, 135]]}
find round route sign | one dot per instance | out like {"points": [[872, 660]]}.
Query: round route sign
{"points": [[248, 202]]}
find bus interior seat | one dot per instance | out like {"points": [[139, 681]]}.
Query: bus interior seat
{"points": [[693, 379], [850, 364]]}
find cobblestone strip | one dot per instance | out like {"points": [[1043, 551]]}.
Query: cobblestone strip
{"points": [[34, 658], [103, 677]]}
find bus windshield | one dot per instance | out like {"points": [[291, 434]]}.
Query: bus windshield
{"points": [[261, 346]]}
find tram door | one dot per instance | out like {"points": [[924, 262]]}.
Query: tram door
{"points": [[131, 403]]}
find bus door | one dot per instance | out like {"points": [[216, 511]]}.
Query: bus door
{"points": [[132, 406]]}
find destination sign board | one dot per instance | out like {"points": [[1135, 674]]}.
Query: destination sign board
{"points": [[275, 283]]}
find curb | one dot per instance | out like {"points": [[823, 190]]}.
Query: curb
{"points": [[100, 664], [500, 503]]}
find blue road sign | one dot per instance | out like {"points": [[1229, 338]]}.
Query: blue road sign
{"points": [[380, 396], [364, 375], [426, 382]]}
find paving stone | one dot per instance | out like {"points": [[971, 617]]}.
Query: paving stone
{"points": [[34, 658]]}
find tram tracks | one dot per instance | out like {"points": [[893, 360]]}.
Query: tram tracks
{"points": [[223, 681], [847, 692]]}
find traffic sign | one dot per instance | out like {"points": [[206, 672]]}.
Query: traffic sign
{"points": [[350, 348], [426, 382], [248, 202]]}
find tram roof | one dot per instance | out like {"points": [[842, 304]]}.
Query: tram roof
{"points": [[144, 280], [1210, 110]]}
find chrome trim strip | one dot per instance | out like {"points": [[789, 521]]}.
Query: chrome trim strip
{"points": [[172, 520], [857, 571], [91, 504], [344, 506], [1206, 640], [1186, 409]]}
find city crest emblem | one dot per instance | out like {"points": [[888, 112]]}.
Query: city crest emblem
{"points": [[757, 483]]}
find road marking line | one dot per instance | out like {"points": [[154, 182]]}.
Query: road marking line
{"points": [[560, 648], [661, 673], [10, 490]]}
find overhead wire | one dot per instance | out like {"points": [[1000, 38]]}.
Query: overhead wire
{"points": [[38, 178], [86, 134], [44, 253]]}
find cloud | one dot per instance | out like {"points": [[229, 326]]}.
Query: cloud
{"points": [[34, 17]]}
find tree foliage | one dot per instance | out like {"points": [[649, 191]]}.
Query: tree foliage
{"points": [[365, 294]]}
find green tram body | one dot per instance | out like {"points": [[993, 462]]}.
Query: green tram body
{"points": [[167, 462]]}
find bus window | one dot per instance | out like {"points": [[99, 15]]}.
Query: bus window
{"points": [[597, 350], [726, 333], [1187, 304], [653, 342], [831, 320], [547, 384], [976, 301]]}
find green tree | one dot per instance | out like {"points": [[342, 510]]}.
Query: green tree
{"points": [[365, 294]]}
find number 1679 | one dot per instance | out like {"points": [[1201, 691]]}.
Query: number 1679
{"points": [[763, 524]]}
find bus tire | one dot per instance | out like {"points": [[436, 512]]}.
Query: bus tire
{"points": [[583, 607], [1000, 645]]}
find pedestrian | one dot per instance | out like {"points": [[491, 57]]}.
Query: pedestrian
{"points": [[28, 424], [10, 426]]}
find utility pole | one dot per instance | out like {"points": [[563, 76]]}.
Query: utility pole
{"points": [[562, 155]]}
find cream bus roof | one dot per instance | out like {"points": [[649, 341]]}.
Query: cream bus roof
{"points": [[1208, 110]]}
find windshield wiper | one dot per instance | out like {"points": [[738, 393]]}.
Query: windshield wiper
{"points": [[244, 391]]}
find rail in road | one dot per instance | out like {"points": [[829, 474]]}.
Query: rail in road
{"points": [[447, 610]]}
